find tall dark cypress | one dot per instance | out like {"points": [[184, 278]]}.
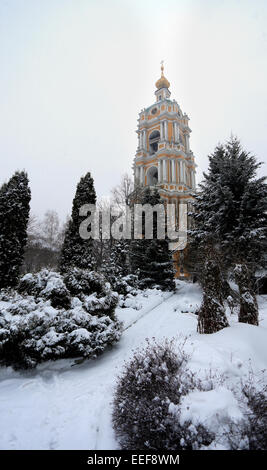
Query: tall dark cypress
{"points": [[76, 251], [15, 196]]}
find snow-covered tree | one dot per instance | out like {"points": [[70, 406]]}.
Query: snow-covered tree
{"points": [[248, 312], [151, 258], [76, 251], [15, 196], [230, 208], [211, 315]]}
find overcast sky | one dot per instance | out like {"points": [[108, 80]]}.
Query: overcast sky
{"points": [[74, 74]]}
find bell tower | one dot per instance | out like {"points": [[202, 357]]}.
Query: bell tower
{"points": [[164, 158]]}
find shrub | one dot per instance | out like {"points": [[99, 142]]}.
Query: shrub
{"points": [[83, 282], [153, 400], [93, 290], [48, 285], [32, 332], [125, 285], [251, 432], [44, 322], [148, 392]]}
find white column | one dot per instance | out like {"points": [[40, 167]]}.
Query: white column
{"points": [[164, 170], [165, 130], [136, 173], [140, 140], [194, 180], [159, 171], [185, 173], [187, 148], [161, 131], [142, 175], [178, 132], [173, 171], [144, 139]]}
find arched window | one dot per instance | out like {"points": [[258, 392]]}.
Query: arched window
{"points": [[152, 176], [153, 142]]}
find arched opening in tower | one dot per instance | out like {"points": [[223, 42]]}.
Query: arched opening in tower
{"points": [[152, 176], [154, 142]]}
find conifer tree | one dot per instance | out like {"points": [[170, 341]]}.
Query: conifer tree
{"points": [[15, 196], [77, 252], [248, 312], [230, 209], [230, 217], [152, 259], [211, 315], [116, 259]]}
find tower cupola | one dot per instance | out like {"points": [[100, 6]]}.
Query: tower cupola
{"points": [[162, 85]]}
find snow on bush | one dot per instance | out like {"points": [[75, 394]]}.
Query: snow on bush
{"points": [[81, 282], [48, 285], [125, 285], [250, 433], [146, 403], [160, 404], [130, 301], [45, 322]]}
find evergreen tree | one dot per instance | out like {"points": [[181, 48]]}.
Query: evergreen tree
{"points": [[15, 196], [230, 221], [152, 259], [211, 315], [248, 312], [115, 261], [230, 209], [76, 251]]}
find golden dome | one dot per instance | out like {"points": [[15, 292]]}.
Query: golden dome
{"points": [[162, 82]]}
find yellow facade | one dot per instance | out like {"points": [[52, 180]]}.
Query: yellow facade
{"points": [[164, 159]]}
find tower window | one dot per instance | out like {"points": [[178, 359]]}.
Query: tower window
{"points": [[152, 176], [153, 142]]}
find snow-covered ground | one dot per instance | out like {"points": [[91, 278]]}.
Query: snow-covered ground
{"points": [[63, 405]]}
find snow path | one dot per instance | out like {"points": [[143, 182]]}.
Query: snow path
{"points": [[63, 407]]}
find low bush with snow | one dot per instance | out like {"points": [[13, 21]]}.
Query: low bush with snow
{"points": [[47, 285], [146, 404], [44, 321], [250, 433], [125, 285], [159, 404]]}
